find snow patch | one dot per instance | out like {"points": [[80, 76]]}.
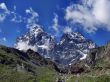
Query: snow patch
{"points": [[83, 55], [25, 46], [43, 46]]}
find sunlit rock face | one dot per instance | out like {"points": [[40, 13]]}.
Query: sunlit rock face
{"points": [[71, 48]]}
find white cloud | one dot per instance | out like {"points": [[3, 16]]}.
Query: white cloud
{"points": [[67, 30], [91, 14], [4, 39], [4, 12], [16, 17], [13, 16], [14, 7], [101, 10], [32, 19], [7, 13], [4, 7], [55, 25]]}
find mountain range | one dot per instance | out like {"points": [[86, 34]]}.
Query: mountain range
{"points": [[36, 57], [72, 46]]}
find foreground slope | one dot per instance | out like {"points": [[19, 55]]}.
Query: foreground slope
{"points": [[96, 66], [29, 66], [17, 66]]}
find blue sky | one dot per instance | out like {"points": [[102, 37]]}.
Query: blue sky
{"points": [[55, 17]]}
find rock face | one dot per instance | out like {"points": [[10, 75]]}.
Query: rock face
{"points": [[37, 40], [71, 48], [100, 57], [97, 59]]}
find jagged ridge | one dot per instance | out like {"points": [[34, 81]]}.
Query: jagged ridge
{"points": [[72, 47]]}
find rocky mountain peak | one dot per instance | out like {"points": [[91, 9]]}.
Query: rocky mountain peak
{"points": [[36, 30], [72, 37], [72, 46]]}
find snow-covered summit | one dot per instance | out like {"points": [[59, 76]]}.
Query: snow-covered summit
{"points": [[37, 40], [72, 46]]}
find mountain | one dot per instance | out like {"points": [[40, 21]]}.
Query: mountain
{"points": [[18, 66], [72, 46], [37, 40], [99, 57], [95, 68], [14, 57], [97, 60], [30, 66]]}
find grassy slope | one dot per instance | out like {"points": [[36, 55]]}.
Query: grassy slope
{"points": [[9, 72], [82, 78]]}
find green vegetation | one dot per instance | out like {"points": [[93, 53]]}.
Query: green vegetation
{"points": [[7, 74], [102, 78], [14, 69], [46, 75], [15, 66]]}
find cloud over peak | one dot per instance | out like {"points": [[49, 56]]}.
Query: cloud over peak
{"points": [[55, 25], [67, 30], [32, 19]]}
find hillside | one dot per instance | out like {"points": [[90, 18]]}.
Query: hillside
{"points": [[96, 67], [18, 66]]}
